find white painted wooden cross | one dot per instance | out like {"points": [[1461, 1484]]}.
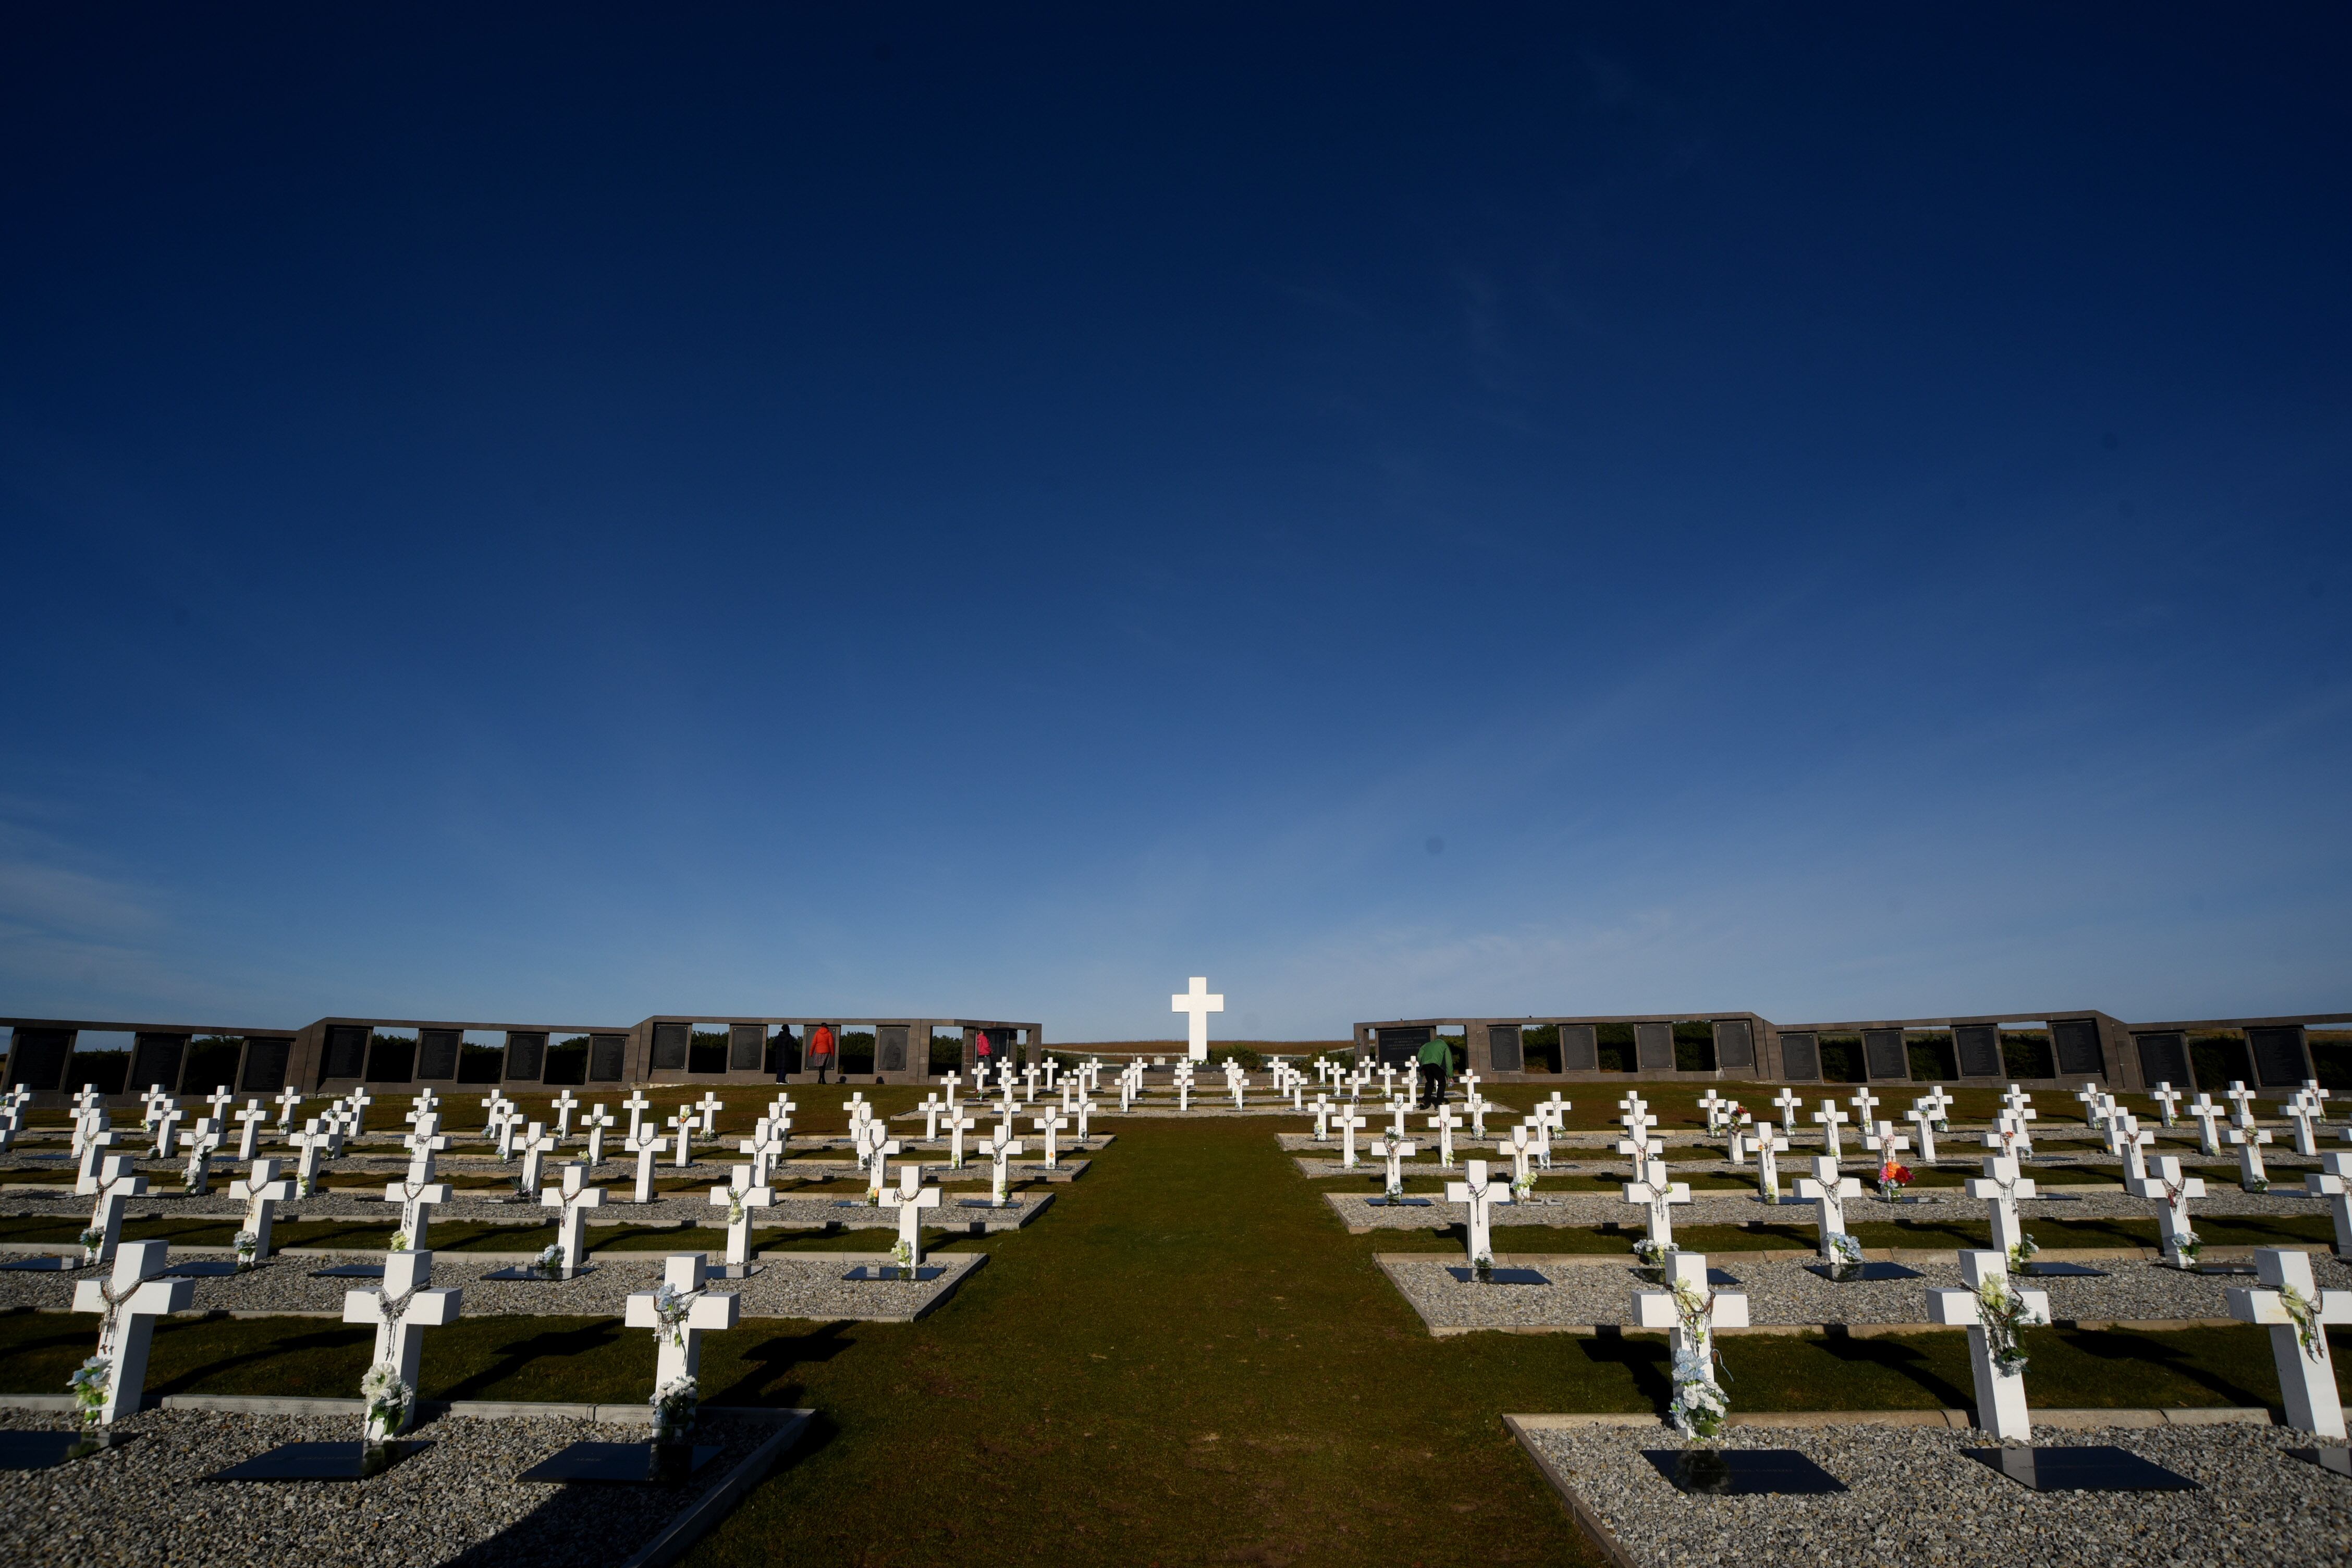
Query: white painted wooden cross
{"points": [[289, 1100], [596, 1124], [359, 1100], [424, 1142], [1347, 1121], [424, 1102], [680, 1312], [1398, 1108], [1789, 1104], [2010, 1136], [128, 1304], [2167, 1101], [878, 1148], [1197, 1002], [1396, 1151], [2000, 1187], [563, 1105], [248, 1130], [261, 1192], [2297, 1313], [957, 1125], [1886, 1144], [1000, 1147], [637, 1105], [682, 1129], [2249, 1141], [1640, 1152], [948, 1082], [415, 1194], [1658, 1198], [1711, 1104], [538, 1144], [1770, 1144], [204, 1142], [2333, 1181], [1086, 1111], [1443, 1124], [2305, 1110], [574, 1198], [1923, 1126], [2124, 1139], [711, 1105], [312, 1143], [217, 1104], [931, 1107], [912, 1200], [765, 1146], [1828, 1117], [1690, 1322], [1735, 1146], [2208, 1117], [1827, 1192], [745, 1190], [2242, 1098], [168, 1117], [2001, 1414], [1477, 1105], [95, 1147], [402, 1309], [646, 1143], [2094, 1100], [114, 1183], [2017, 1102], [1480, 1193], [1864, 1104], [2166, 1186], [1051, 1124], [1521, 1147]]}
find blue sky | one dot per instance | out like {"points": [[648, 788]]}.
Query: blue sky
{"points": [[577, 514]]}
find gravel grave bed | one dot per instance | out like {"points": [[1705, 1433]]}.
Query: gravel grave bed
{"points": [[456, 1502], [788, 1285], [1781, 1290], [1721, 1208], [1914, 1497]]}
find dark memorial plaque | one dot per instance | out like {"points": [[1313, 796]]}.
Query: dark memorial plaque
{"points": [[1883, 1056], [526, 1056], [893, 1274], [2337, 1459], [531, 1271], [1499, 1277], [607, 1053], [45, 1450], [643, 1463], [36, 1057], [1978, 1048], [1505, 1049], [2064, 1272], [1399, 1203], [350, 1271], [1801, 1056], [1734, 1045], [436, 1054], [199, 1268], [1742, 1472], [2280, 1061], [352, 1461], [1861, 1273], [265, 1063], [2076, 1042], [346, 1052], [41, 1265], [156, 1058], [1400, 1045], [671, 1044], [747, 1047], [1580, 1047], [1654, 1046], [2164, 1058], [889, 1048], [2092, 1467]]}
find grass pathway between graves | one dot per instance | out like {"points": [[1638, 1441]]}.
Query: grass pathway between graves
{"points": [[1187, 1361]]}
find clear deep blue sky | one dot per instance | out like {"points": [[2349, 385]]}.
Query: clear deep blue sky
{"points": [[1400, 509]]}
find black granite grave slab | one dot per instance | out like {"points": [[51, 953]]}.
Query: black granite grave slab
{"points": [[1742, 1472], [199, 1268], [525, 1271], [350, 1271], [733, 1270], [891, 1272], [1862, 1272], [2092, 1467], [41, 1450], [2337, 1459], [1500, 1277], [352, 1461], [1398, 1203], [2225, 1269], [963, 1202], [42, 1265], [624, 1463], [1716, 1277], [2064, 1271]]}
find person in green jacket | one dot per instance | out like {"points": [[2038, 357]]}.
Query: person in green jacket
{"points": [[1436, 1062]]}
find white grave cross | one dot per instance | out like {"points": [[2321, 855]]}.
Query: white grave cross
{"points": [[2000, 1382], [1198, 1001], [129, 1303]]}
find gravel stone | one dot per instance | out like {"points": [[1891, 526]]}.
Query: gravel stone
{"points": [[1915, 1499]]}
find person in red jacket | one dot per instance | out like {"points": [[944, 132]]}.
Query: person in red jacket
{"points": [[820, 1050], [981, 1048]]}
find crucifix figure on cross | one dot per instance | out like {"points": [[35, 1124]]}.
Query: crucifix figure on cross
{"points": [[1198, 1003], [128, 1304]]}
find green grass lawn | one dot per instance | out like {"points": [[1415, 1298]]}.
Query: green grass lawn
{"points": [[1192, 1332]]}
